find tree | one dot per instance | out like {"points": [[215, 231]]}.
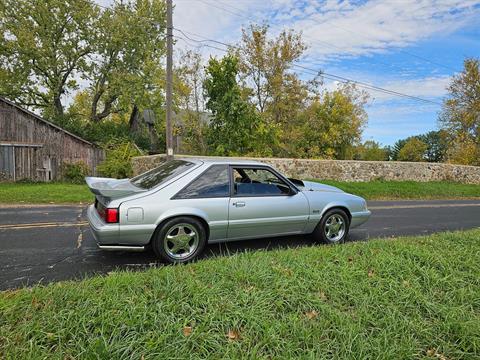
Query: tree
{"points": [[235, 127], [371, 151], [463, 150], [43, 48], [332, 124], [128, 46], [192, 118], [413, 150], [395, 149], [460, 115], [437, 145], [436, 142], [265, 74]]}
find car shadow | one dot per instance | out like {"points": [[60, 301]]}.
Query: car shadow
{"points": [[147, 259]]}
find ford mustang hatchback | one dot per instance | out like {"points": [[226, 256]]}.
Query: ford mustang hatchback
{"points": [[183, 204]]}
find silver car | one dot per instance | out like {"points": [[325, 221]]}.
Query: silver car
{"points": [[180, 206]]}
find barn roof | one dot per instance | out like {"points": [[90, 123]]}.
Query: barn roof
{"points": [[39, 118]]}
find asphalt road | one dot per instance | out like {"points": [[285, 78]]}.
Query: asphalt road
{"points": [[41, 244]]}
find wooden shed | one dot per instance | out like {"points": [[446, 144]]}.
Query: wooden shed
{"points": [[35, 149]]}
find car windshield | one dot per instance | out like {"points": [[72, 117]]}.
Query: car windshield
{"points": [[161, 174]]}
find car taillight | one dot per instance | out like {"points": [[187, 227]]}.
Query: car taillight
{"points": [[111, 215]]}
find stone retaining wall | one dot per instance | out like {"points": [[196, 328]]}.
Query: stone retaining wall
{"points": [[350, 170]]}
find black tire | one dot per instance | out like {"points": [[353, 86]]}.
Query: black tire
{"points": [[320, 232], [164, 251]]}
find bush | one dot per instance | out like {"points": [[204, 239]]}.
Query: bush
{"points": [[75, 172], [118, 161]]}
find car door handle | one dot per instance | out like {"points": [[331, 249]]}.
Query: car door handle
{"points": [[239, 204]]}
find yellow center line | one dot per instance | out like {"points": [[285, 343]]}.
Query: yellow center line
{"points": [[419, 206], [42, 225]]}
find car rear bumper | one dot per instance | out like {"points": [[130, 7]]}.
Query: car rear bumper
{"points": [[103, 233], [358, 218]]}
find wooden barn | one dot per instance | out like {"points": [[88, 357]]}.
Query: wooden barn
{"points": [[35, 149]]}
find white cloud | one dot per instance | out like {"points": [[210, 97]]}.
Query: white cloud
{"points": [[331, 28], [377, 26], [429, 87]]}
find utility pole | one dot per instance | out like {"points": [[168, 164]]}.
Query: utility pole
{"points": [[169, 136]]}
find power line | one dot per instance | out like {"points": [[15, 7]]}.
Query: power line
{"points": [[318, 72], [364, 84], [198, 46], [312, 71], [332, 45]]}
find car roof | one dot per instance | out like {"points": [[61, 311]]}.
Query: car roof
{"points": [[219, 160]]}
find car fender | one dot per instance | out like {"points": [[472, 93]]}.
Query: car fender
{"points": [[318, 208], [335, 204], [182, 211]]}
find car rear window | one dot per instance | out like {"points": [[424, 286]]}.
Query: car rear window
{"points": [[161, 174], [214, 182]]}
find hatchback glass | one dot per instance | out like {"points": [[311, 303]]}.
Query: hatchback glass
{"points": [[161, 174]]}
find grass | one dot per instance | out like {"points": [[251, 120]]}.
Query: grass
{"points": [[407, 190], [402, 299], [44, 193], [63, 193]]}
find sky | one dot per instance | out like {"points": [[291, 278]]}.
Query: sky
{"points": [[408, 46]]}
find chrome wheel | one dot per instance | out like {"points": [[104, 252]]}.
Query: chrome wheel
{"points": [[335, 227], [181, 241]]}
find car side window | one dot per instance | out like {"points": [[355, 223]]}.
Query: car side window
{"points": [[214, 182], [258, 182]]}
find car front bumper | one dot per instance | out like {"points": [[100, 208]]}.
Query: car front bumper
{"points": [[358, 218]]}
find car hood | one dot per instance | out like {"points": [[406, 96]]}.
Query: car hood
{"points": [[314, 186], [111, 188]]}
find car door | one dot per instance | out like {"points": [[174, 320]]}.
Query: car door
{"points": [[209, 193], [263, 204]]}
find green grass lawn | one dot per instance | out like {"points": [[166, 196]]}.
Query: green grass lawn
{"points": [[61, 193], [44, 193], [389, 190], [382, 299]]}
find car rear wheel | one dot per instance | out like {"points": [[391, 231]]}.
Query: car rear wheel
{"points": [[180, 240], [333, 227]]}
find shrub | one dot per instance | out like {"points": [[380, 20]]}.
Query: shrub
{"points": [[118, 161], [75, 172]]}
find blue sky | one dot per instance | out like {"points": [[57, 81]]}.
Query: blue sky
{"points": [[409, 46]]}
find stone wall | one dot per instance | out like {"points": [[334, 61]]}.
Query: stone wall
{"points": [[350, 170]]}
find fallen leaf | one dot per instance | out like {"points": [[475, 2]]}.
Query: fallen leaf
{"points": [[434, 353], [233, 335], [371, 273], [187, 331], [311, 314]]}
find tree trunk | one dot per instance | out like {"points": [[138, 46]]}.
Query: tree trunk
{"points": [[57, 103], [133, 122]]}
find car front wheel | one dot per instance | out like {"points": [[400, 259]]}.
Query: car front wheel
{"points": [[333, 227], [180, 240]]}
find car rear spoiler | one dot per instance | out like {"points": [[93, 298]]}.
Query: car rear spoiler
{"points": [[111, 188]]}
